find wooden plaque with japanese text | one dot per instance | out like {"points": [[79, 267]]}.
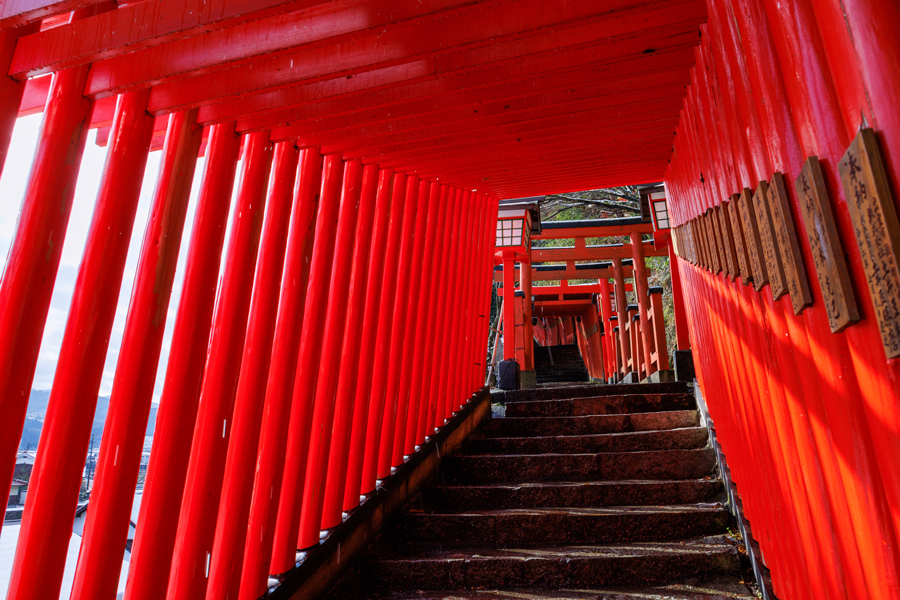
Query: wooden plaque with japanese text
{"points": [[795, 276], [692, 246], [727, 240], [717, 236], [771, 255], [828, 254], [877, 232], [739, 247], [751, 236], [710, 244]]}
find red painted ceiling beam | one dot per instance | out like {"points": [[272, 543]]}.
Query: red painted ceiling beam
{"points": [[364, 38], [19, 12], [139, 26], [486, 101], [516, 59], [492, 127]]}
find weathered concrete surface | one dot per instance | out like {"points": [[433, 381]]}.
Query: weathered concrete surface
{"points": [[601, 405], [672, 439], [590, 424]]}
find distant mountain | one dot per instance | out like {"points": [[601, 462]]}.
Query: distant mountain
{"points": [[37, 411]]}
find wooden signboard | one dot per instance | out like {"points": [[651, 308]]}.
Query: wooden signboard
{"points": [[751, 236], [788, 246], [692, 246], [771, 255], [877, 232], [828, 254], [698, 239], [710, 236], [739, 246], [717, 236], [727, 239], [710, 247]]}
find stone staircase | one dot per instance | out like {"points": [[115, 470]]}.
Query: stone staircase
{"points": [[589, 492], [556, 364]]}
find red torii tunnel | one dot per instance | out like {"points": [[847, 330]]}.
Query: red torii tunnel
{"points": [[375, 140]]}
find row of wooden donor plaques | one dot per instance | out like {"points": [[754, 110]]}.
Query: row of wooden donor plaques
{"points": [[753, 237]]}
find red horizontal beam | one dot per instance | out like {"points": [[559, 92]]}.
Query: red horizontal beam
{"points": [[493, 100], [137, 27], [387, 42], [19, 12], [515, 59]]}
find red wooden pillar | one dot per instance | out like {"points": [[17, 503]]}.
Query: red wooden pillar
{"points": [[240, 462], [280, 383], [681, 329], [440, 194], [425, 299], [330, 367], [300, 422], [33, 258], [386, 329], [106, 530], [509, 307], [345, 405], [368, 342], [11, 90], [56, 477], [407, 406], [643, 296], [527, 328], [445, 308], [609, 349], [152, 552], [487, 270], [398, 354], [456, 307], [475, 287], [197, 521], [622, 309]]}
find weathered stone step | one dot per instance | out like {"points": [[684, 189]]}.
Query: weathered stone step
{"points": [[633, 441], [716, 588], [583, 391], [589, 425], [445, 498], [664, 464], [636, 563], [539, 526], [601, 405]]}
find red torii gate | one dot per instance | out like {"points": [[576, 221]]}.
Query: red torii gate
{"points": [[424, 115]]}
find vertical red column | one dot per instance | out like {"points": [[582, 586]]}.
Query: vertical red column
{"points": [[56, 477], [368, 341], [386, 327], [287, 522], [427, 312], [606, 312], [234, 505], [490, 236], [464, 377], [33, 258], [380, 465], [329, 363], [11, 90], [484, 296], [447, 310], [509, 307], [457, 314], [681, 328], [154, 541], [622, 309], [197, 521], [345, 405], [280, 383], [643, 296], [407, 404], [106, 530]]}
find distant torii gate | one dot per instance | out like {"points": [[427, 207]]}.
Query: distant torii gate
{"points": [[619, 342]]}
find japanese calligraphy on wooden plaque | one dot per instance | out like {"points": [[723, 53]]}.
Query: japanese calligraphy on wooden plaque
{"points": [[710, 244], [717, 236], [727, 239], [739, 246], [877, 232], [828, 254], [788, 246], [692, 246], [751, 236], [771, 255]]}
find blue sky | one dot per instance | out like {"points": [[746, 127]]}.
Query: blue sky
{"points": [[12, 187]]}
